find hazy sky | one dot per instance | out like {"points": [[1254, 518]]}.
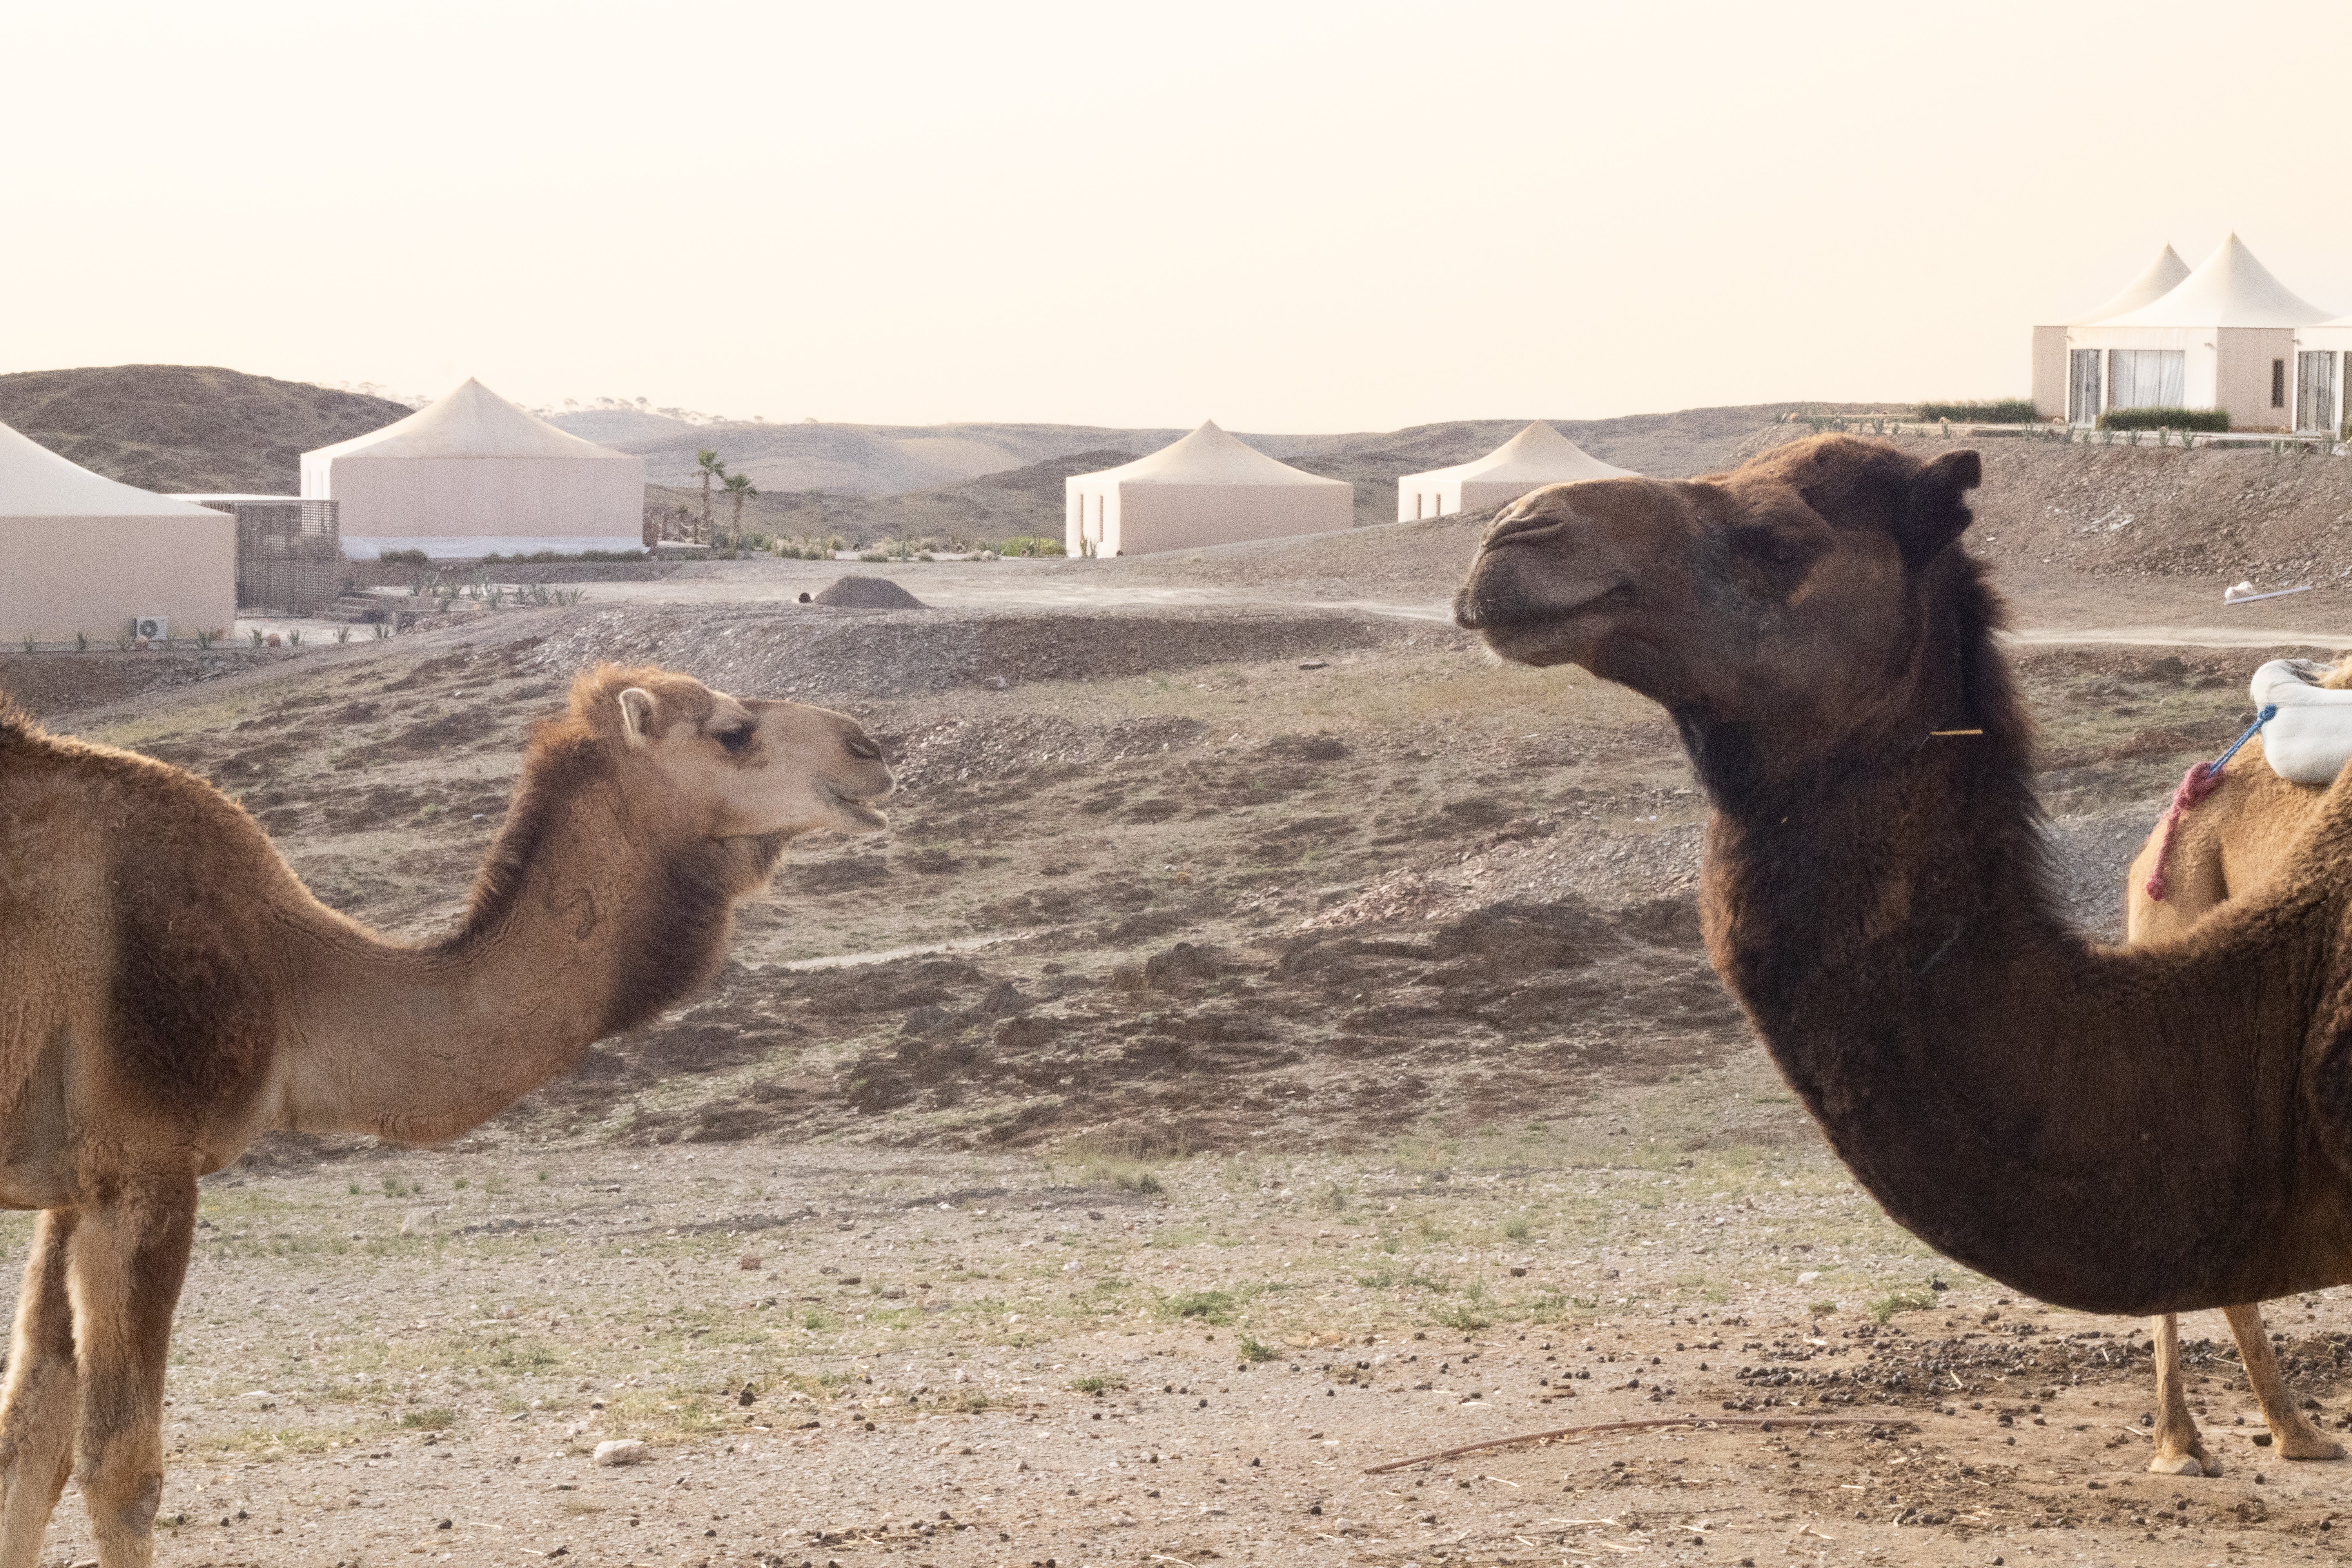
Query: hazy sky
{"points": [[1285, 216]]}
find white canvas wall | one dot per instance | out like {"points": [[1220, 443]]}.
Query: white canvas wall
{"points": [[451, 506], [60, 575]]}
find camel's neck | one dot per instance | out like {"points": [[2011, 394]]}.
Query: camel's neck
{"points": [[588, 919], [2109, 1129]]}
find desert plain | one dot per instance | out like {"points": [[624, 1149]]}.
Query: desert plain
{"points": [[1273, 1042]]}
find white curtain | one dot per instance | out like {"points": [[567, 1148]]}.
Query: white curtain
{"points": [[2146, 378]]}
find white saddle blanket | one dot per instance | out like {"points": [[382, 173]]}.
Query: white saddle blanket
{"points": [[2309, 739]]}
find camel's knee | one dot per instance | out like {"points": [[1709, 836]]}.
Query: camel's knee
{"points": [[123, 1496]]}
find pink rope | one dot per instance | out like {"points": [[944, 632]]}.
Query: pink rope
{"points": [[2201, 780]]}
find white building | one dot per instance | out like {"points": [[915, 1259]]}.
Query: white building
{"points": [[82, 553], [2222, 338], [1207, 488], [472, 475], [2053, 396], [1536, 456]]}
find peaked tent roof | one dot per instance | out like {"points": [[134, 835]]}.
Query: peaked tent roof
{"points": [[471, 422], [36, 482], [2159, 278], [2229, 289], [1539, 454], [1207, 457]]}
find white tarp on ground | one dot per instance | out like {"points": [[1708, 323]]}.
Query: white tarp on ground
{"points": [[1207, 488], [474, 475], [1536, 456], [80, 552]]}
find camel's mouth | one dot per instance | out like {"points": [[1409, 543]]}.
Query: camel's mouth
{"points": [[1531, 619], [857, 808]]}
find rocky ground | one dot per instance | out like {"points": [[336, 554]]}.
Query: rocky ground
{"points": [[1272, 1042]]}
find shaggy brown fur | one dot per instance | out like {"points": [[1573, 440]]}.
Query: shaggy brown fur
{"points": [[168, 991], [2116, 1130]]}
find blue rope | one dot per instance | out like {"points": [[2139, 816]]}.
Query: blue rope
{"points": [[2268, 713]]}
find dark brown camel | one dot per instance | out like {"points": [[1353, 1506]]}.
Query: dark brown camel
{"points": [[2148, 1130]]}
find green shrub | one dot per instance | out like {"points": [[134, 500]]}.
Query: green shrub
{"points": [[1033, 546], [1999, 411], [2166, 419], [404, 557]]}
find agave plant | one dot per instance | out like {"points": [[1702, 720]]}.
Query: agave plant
{"points": [[342, 633], [204, 640], [27, 641], [294, 638], [82, 643], [255, 634], [382, 631]]}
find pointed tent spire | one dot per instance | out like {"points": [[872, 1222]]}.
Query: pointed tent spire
{"points": [[1206, 457], [1539, 454], [2159, 278], [470, 421], [2229, 289]]}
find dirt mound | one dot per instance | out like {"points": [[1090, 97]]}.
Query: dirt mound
{"points": [[857, 592], [187, 427]]}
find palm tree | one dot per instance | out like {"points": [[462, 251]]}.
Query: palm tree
{"points": [[706, 462], [741, 487]]}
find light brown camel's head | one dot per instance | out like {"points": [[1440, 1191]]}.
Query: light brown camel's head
{"points": [[1793, 599], [732, 767]]}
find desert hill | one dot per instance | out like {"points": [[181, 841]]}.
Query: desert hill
{"points": [[187, 427]]}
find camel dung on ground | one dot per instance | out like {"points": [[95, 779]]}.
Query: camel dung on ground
{"points": [[2116, 1130], [168, 990]]}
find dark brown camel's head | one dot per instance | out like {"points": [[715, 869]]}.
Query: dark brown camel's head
{"points": [[1788, 598]]}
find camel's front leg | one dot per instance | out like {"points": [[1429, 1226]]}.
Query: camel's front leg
{"points": [[2296, 1437], [37, 1411], [129, 1259], [2179, 1451]]}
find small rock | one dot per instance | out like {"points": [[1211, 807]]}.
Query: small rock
{"points": [[622, 1451], [1808, 1276], [994, 683], [1518, 1271], [420, 1222], [1003, 997], [924, 1019], [749, 1260], [1127, 977], [1315, 664]]}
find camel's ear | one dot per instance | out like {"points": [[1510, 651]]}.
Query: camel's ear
{"points": [[1934, 505], [638, 717]]}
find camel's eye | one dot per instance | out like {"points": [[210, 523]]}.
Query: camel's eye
{"points": [[735, 739]]}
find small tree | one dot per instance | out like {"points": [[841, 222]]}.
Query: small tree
{"points": [[741, 487], [706, 463]]}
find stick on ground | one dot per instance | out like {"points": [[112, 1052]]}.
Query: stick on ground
{"points": [[1572, 1433]]}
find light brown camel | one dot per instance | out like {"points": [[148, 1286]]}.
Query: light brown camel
{"points": [[2143, 1131], [2235, 840], [168, 991]]}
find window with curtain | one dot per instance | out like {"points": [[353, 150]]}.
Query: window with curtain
{"points": [[2146, 378]]}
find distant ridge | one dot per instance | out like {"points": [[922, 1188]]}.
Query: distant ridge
{"points": [[187, 427]]}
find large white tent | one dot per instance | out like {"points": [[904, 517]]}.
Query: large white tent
{"points": [[82, 553], [2223, 338], [2053, 394], [1207, 488], [1536, 456], [473, 474]]}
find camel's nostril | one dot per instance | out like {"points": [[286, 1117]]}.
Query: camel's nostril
{"points": [[859, 746]]}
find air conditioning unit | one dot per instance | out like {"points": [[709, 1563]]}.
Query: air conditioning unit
{"points": [[154, 628]]}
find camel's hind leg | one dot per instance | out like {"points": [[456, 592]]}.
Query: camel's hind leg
{"points": [[2179, 1451], [37, 1410], [2296, 1437], [128, 1260]]}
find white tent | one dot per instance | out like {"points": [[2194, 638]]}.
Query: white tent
{"points": [[2053, 394], [1207, 488], [473, 474], [1536, 456], [2223, 338], [80, 552]]}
